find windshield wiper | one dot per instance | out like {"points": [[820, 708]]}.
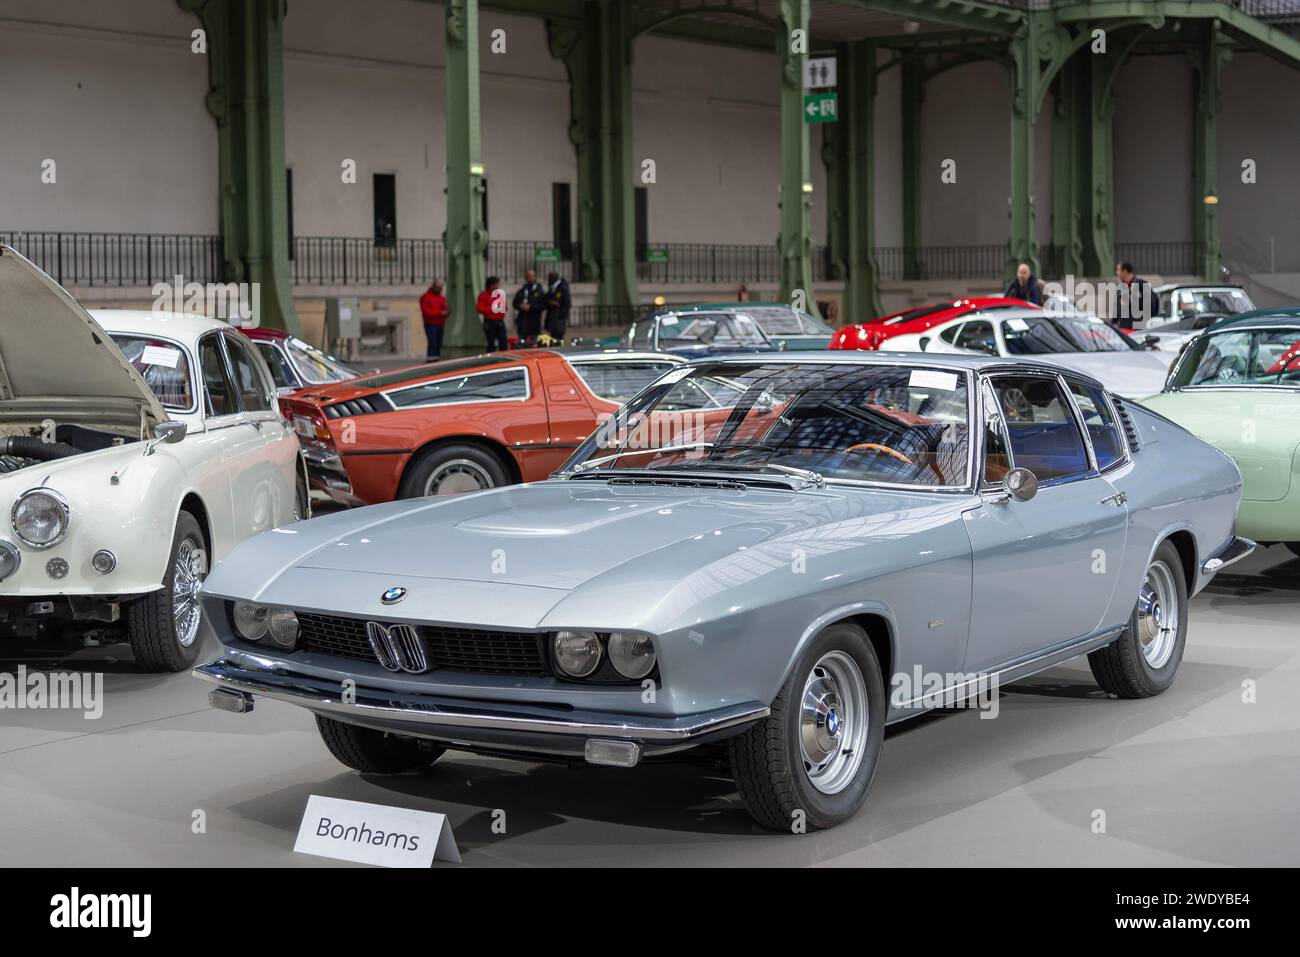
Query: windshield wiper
{"points": [[592, 463]]}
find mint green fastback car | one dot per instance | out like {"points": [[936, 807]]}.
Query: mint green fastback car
{"points": [[1238, 388]]}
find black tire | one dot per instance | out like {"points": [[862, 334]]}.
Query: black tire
{"points": [[1294, 548], [374, 752], [150, 621], [301, 496], [1122, 668], [768, 763], [475, 461]]}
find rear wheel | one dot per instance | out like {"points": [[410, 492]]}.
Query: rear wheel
{"points": [[452, 470], [301, 497], [811, 761], [163, 626], [375, 752], [1144, 660]]}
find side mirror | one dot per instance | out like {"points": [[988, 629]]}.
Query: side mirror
{"points": [[169, 432], [1021, 484]]}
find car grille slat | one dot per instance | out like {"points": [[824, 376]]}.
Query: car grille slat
{"points": [[1130, 428], [446, 648]]}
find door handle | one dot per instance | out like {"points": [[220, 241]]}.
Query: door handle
{"points": [[1118, 499]]}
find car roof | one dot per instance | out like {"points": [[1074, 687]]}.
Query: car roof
{"points": [[930, 360], [1262, 319], [263, 332], [1199, 285], [143, 322]]}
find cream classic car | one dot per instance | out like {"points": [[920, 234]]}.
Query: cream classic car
{"points": [[136, 449]]}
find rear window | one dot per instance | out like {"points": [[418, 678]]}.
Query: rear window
{"points": [[164, 367], [482, 387]]}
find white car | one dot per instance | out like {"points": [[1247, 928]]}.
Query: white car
{"points": [[127, 470], [1076, 341]]}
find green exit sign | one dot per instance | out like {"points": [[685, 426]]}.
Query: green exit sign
{"points": [[820, 107], [656, 255], [546, 254]]}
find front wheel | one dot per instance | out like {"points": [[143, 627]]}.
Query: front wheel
{"points": [[1144, 660], [374, 752], [810, 762], [163, 626]]}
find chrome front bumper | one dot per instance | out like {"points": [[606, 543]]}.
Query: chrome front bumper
{"points": [[1233, 552], [497, 726]]}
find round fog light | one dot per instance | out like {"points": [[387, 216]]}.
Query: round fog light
{"points": [[633, 656], [103, 561], [10, 559], [577, 653], [251, 621], [284, 627]]}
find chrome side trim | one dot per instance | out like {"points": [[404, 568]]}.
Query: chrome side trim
{"points": [[376, 704], [1233, 552]]}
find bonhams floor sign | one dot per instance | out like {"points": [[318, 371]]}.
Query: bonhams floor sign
{"points": [[374, 834]]}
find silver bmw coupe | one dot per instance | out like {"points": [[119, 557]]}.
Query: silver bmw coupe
{"points": [[767, 558]]}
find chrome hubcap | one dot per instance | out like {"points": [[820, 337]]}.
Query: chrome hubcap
{"points": [[186, 579], [1158, 615], [833, 722], [457, 477]]}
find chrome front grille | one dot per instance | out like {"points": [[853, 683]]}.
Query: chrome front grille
{"points": [[421, 648]]}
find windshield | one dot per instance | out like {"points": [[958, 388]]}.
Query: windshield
{"points": [[780, 321], [1190, 303], [164, 367], [315, 366], [1259, 357], [1045, 335], [711, 328], [862, 422]]}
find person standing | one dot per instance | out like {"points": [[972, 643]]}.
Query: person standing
{"points": [[491, 306], [1134, 298], [558, 303], [434, 311], [530, 304], [1025, 286]]}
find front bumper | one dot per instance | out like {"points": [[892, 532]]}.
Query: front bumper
{"points": [[327, 473], [523, 727]]}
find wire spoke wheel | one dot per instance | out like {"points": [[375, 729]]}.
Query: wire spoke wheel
{"points": [[186, 580]]}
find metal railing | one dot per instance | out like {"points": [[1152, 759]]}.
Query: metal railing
{"points": [[120, 259], [940, 262], [1163, 259]]}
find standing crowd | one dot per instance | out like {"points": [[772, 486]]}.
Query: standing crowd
{"points": [[1132, 299], [541, 313]]}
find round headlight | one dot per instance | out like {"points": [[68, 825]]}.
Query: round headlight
{"points": [[633, 656], [284, 627], [251, 621], [10, 559], [577, 653], [40, 517]]}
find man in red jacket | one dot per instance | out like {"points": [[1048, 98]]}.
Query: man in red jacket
{"points": [[433, 307], [492, 307]]}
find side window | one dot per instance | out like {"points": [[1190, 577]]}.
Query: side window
{"points": [[274, 362], [1041, 429], [949, 335], [978, 337], [485, 387], [619, 381], [216, 383], [250, 383], [641, 334], [997, 463], [1107, 444]]}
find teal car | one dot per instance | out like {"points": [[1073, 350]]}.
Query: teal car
{"points": [[1237, 386], [784, 328]]}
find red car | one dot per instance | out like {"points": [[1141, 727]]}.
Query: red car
{"points": [[461, 425], [869, 335]]}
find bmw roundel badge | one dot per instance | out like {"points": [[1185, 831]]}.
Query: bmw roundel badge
{"points": [[392, 596]]}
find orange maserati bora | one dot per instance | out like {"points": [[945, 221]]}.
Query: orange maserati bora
{"points": [[461, 425]]}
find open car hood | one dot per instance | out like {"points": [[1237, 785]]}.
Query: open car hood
{"points": [[55, 360]]}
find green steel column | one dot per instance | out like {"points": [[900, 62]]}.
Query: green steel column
{"points": [[912, 93], [795, 244], [1024, 74], [246, 98], [1099, 249], [849, 153], [1069, 185], [465, 236], [597, 54], [1209, 59]]}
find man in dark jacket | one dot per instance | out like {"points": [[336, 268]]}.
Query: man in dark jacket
{"points": [[558, 302], [530, 306], [1025, 286], [1134, 298]]}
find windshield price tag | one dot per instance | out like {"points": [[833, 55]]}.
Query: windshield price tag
{"points": [[933, 379], [1018, 325], [160, 356]]}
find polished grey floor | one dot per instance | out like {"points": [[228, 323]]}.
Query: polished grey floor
{"points": [[1196, 776]]}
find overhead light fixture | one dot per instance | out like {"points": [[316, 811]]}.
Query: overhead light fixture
{"points": [[1211, 200]]}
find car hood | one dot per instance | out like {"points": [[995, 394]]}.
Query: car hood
{"points": [[1258, 428], [508, 556], [1133, 375], [55, 358]]}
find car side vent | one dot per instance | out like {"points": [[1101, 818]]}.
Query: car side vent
{"points": [[362, 406], [1130, 427]]}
